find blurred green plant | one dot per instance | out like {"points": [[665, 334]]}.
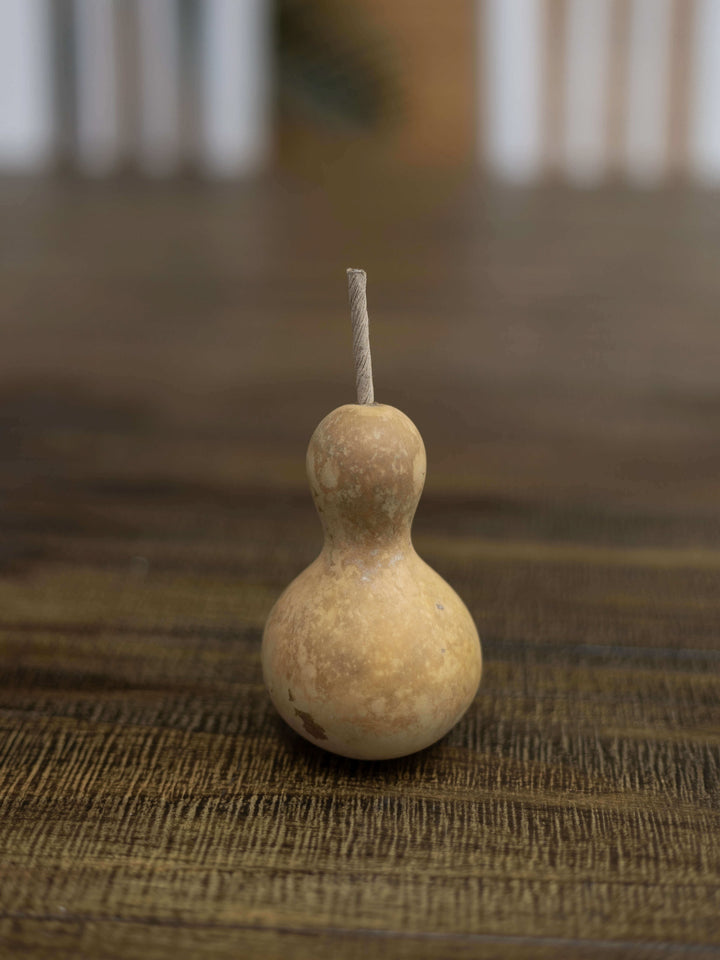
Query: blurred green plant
{"points": [[333, 68]]}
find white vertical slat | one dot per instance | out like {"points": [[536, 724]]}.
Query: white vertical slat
{"points": [[512, 36], [704, 127], [98, 132], [648, 89], [235, 70], [159, 56], [25, 88], [586, 87]]}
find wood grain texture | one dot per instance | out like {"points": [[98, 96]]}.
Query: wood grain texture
{"points": [[164, 356]]}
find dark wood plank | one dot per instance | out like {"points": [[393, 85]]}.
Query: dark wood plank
{"points": [[164, 356]]}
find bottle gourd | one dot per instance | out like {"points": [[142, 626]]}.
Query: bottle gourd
{"points": [[369, 653]]}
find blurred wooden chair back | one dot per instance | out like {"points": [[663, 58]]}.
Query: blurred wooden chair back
{"points": [[580, 90], [593, 88]]}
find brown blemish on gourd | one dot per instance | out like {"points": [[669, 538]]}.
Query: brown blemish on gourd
{"points": [[313, 728]]}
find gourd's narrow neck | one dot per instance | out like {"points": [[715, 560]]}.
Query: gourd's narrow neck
{"points": [[369, 558], [375, 543]]}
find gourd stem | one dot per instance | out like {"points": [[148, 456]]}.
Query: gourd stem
{"points": [[357, 280]]}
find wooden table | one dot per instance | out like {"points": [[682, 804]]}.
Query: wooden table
{"points": [[165, 353]]}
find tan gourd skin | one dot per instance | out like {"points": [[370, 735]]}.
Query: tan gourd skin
{"points": [[369, 653]]}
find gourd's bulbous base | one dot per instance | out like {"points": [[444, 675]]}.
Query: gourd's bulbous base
{"points": [[371, 661]]}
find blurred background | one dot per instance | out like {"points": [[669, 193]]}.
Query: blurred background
{"points": [[529, 183], [579, 89]]}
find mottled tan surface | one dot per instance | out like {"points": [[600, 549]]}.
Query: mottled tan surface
{"points": [[369, 653], [165, 354]]}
